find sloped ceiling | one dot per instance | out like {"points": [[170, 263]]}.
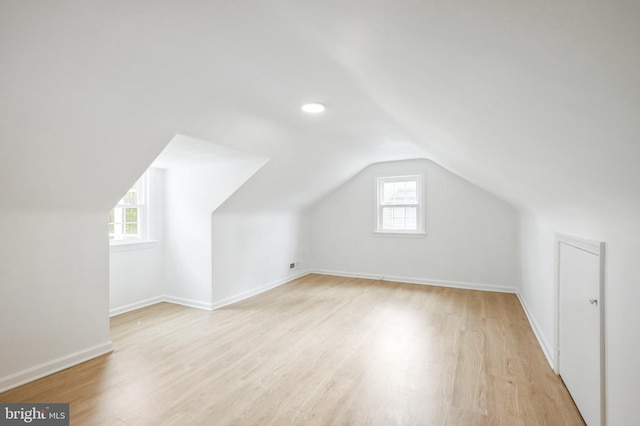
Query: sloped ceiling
{"points": [[532, 100], [185, 151]]}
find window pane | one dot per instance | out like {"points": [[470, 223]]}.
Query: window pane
{"points": [[131, 230], [116, 215], [117, 231], [411, 221], [387, 192], [400, 192], [386, 218], [399, 208], [126, 219], [131, 197], [410, 193], [131, 215], [399, 218]]}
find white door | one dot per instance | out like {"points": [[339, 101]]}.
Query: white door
{"points": [[580, 352]]}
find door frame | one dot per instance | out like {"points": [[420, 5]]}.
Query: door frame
{"points": [[597, 248]]}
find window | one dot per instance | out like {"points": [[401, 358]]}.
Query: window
{"points": [[128, 219], [400, 205]]}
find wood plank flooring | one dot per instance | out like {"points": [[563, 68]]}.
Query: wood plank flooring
{"points": [[318, 351]]}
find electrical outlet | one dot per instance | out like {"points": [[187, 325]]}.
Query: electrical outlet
{"points": [[292, 266]]}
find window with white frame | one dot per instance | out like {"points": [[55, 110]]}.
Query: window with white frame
{"points": [[128, 219], [400, 208]]}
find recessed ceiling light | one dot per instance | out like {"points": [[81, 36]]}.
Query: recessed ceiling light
{"points": [[313, 107]]}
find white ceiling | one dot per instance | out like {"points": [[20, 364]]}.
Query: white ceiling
{"points": [[185, 151], [536, 101]]}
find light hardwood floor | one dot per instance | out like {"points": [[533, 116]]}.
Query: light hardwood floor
{"points": [[319, 350]]}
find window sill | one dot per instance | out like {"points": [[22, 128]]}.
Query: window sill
{"points": [[397, 234], [116, 246]]}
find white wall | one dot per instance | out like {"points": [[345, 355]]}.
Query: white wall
{"points": [[618, 227], [54, 305], [471, 241], [188, 234], [252, 252], [537, 276], [191, 196], [191, 178], [135, 276], [136, 271]]}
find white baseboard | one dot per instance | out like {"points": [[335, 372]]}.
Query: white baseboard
{"points": [[53, 366], [137, 305], [159, 299], [347, 274], [254, 292], [191, 303], [536, 331], [423, 281]]}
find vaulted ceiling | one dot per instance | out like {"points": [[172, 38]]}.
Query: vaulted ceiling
{"points": [[536, 101]]}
